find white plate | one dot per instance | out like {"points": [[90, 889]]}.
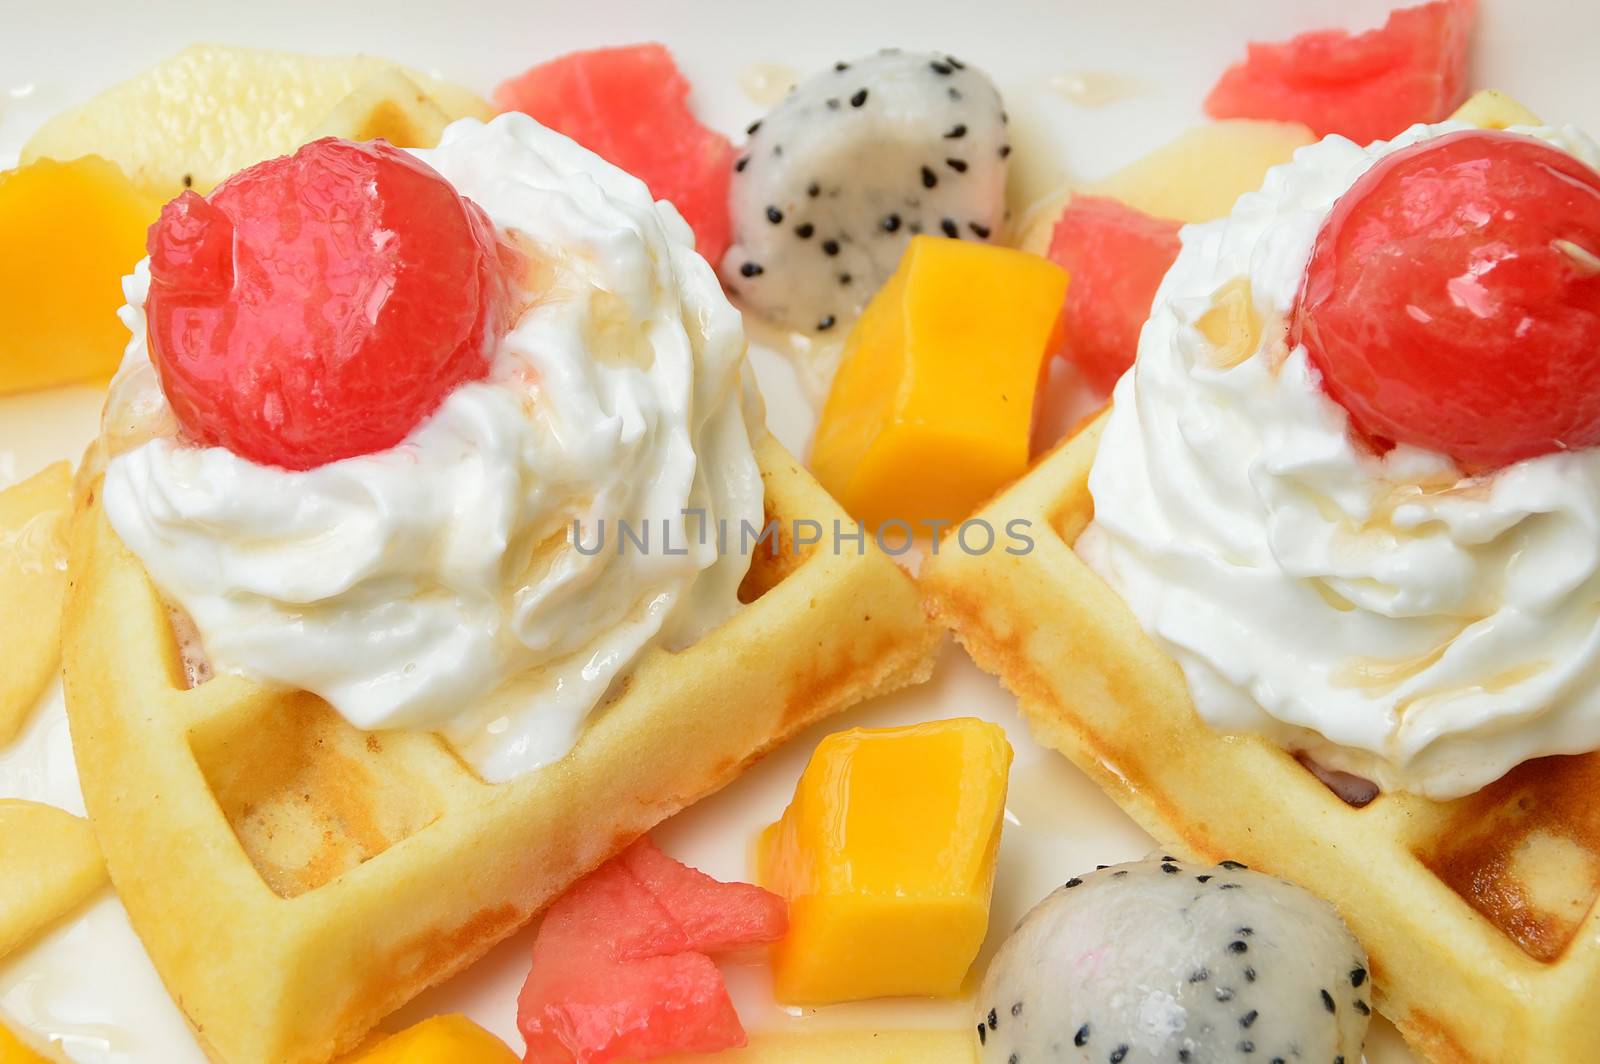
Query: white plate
{"points": [[88, 983]]}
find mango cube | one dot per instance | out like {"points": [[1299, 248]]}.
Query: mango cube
{"points": [[439, 1040], [930, 410], [887, 857], [14, 1050], [70, 231]]}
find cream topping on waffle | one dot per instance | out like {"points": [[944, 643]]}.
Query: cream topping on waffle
{"points": [[463, 581], [1385, 615]]}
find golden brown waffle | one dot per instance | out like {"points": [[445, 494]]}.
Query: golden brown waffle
{"points": [[1478, 914], [295, 879]]}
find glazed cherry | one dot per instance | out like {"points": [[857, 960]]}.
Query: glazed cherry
{"points": [[321, 305], [1453, 300]]}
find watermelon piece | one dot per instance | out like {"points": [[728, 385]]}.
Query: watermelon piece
{"points": [[630, 106], [620, 970], [642, 1010], [1366, 86], [715, 916], [1116, 257]]}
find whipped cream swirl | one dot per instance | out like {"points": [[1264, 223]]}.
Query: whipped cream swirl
{"points": [[1385, 615], [437, 585]]}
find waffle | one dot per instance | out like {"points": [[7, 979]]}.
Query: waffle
{"points": [[1478, 914], [295, 879]]}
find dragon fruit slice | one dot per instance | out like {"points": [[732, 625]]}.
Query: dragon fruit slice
{"points": [[1163, 961], [840, 175]]}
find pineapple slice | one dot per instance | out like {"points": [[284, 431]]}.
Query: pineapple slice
{"points": [[1491, 109], [33, 588], [389, 106], [212, 110], [52, 866], [1196, 178]]}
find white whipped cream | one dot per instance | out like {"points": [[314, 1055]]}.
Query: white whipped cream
{"points": [[1382, 614], [435, 585]]}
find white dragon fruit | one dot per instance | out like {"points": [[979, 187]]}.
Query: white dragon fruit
{"points": [[1161, 962], [855, 161]]}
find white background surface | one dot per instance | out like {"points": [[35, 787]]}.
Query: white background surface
{"points": [[88, 983]]}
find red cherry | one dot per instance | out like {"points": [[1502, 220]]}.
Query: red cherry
{"points": [[1453, 300], [320, 305]]}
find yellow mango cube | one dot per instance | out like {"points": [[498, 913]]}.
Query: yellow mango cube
{"points": [[930, 410], [438, 1040], [14, 1050], [70, 232], [887, 857]]}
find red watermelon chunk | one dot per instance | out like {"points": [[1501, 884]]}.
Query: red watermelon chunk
{"points": [[716, 917], [630, 106], [620, 970], [636, 1011], [1116, 257], [1367, 86]]}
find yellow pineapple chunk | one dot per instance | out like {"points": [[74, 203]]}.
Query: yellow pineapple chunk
{"points": [[1491, 109], [52, 865], [391, 107], [212, 110], [1196, 178], [33, 588]]}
